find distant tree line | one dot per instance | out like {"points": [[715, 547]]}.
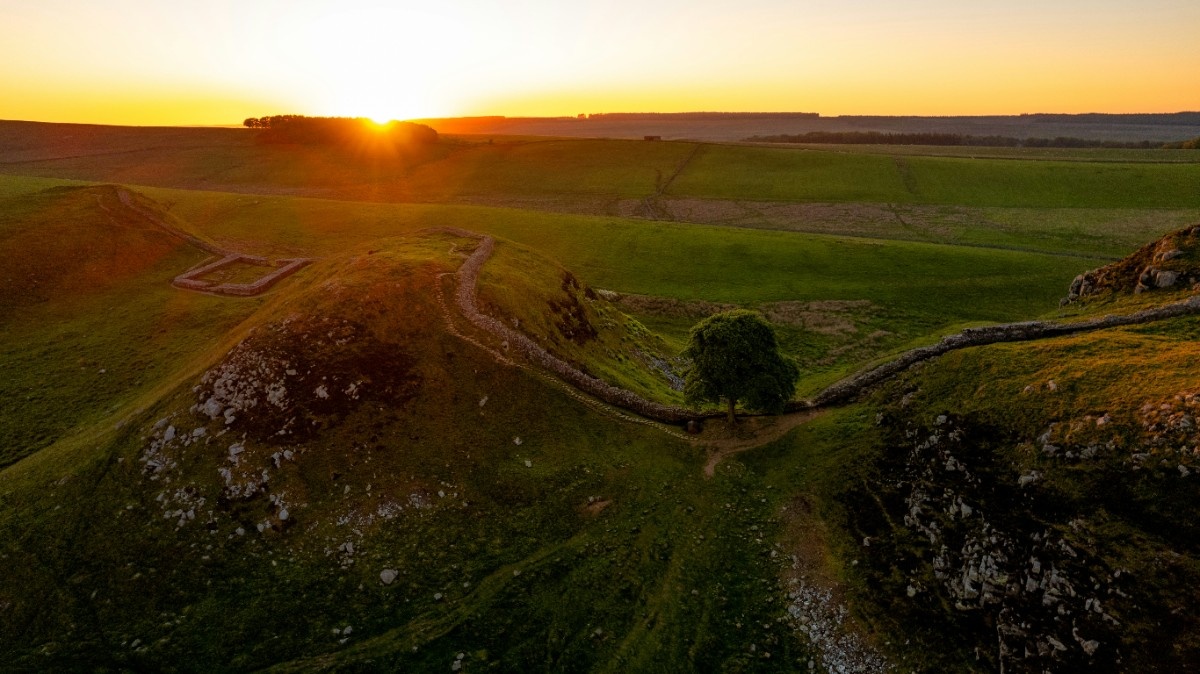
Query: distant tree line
{"points": [[661, 116], [877, 138], [338, 130], [1154, 118]]}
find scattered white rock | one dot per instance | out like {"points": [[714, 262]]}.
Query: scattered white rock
{"points": [[517, 440], [387, 576], [322, 392]]}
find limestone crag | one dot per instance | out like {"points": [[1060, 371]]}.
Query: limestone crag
{"points": [[1170, 262]]}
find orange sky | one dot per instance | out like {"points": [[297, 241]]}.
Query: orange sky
{"points": [[217, 62]]}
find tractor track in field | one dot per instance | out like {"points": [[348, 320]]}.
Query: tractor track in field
{"points": [[650, 205]]}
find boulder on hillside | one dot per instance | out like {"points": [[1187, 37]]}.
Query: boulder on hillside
{"points": [[1170, 262]]}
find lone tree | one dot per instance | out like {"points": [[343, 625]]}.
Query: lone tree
{"points": [[735, 357]]}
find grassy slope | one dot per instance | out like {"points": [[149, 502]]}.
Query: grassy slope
{"points": [[487, 536], [92, 321], [1091, 203], [916, 289], [550, 305], [1155, 156], [675, 260], [1139, 520], [733, 172], [62, 555]]}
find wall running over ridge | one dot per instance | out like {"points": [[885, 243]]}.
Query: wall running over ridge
{"points": [[839, 392]]}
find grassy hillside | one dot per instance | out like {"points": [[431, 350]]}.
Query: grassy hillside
{"points": [[733, 172], [229, 159], [1020, 506], [88, 319], [1100, 202], [328, 477], [899, 291], [239, 519]]}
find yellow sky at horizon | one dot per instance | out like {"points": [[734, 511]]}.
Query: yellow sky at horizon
{"points": [[217, 62]]}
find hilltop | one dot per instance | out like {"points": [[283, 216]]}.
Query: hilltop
{"points": [[733, 126], [426, 448], [346, 472]]}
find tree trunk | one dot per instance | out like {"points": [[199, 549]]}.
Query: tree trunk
{"points": [[732, 417]]}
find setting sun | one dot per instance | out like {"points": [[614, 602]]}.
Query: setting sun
{"points": [[214, 63], [599, 336]]}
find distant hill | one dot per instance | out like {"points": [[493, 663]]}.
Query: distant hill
{"points": [[728, 126]]}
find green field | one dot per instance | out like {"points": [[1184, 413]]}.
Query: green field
{"points": [[200, 483], [803, 175]]}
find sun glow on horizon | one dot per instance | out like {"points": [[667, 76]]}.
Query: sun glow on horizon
{"points": [[219, 61]]}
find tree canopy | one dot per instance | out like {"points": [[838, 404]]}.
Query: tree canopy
{"points": [[735, 357], [338, 130]]}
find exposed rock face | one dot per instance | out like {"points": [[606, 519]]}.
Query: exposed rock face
{"points": [[1030, 566], [288, 379], [1170, 262]]}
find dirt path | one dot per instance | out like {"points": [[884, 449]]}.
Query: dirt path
{"points": [[751, 433]]}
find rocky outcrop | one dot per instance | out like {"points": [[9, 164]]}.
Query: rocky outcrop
{"points": [[1169, 262], [979, 551]]}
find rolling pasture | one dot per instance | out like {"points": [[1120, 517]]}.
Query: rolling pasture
{"points": [[900, 248], [518, 528], [934, 242]]}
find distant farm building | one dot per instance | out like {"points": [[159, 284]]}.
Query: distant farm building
{"points": [[652, 137]]}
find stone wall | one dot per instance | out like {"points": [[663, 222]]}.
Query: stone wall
{"points": [[1011, 332], [190, 280], [466, 298], [839, 392]]}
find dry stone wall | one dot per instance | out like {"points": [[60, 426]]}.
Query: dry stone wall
{"points": [[192, 279], [466, 298], [839, 392], [1010, 332]]}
